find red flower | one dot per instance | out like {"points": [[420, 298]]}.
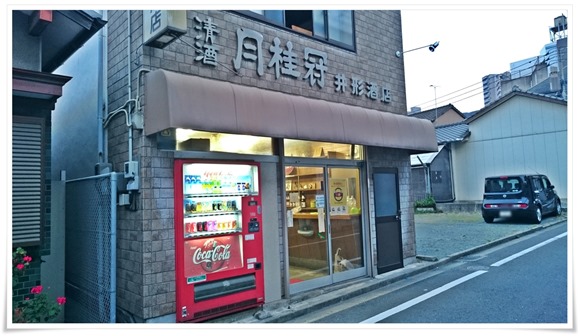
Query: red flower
{"points": [[27, 259], [36, 290], [61, 300], [20, 266]]}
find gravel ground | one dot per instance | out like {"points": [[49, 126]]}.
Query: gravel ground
{"points": [[442, 234]]}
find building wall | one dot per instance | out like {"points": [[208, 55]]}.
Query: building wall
{"points": [[78, 111], [440, 170], [522, 135], [448, 117], [26, 48], [146, 253], [418, 183]]}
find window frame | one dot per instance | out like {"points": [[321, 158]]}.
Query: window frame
{"points": [[327, 40]]}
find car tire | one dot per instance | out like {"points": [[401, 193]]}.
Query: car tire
{"points": [[488, 219], [537, 218], [558, 210]]}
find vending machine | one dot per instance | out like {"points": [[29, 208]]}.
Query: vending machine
{"points": [[218, 239]]}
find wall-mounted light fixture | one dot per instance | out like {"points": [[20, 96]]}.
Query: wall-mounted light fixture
{"points": [[161, 27], [431, 46]]}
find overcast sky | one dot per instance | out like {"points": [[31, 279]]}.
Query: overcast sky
{"points": [[473, 43]]}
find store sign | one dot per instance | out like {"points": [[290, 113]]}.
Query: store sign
{"points": [[338, 199], [284, 60], [161, 27], [210, 255]]}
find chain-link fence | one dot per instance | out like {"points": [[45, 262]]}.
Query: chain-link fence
{"points": [[90, 249]]}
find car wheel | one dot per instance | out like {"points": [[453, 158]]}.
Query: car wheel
{"points": [[537, 215], [488, 219], [558, 210]]}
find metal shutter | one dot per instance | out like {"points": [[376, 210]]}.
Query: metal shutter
{"points": [[27, 182]]}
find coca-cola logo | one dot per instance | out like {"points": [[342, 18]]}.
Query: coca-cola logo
{"points": [[212, 256]]}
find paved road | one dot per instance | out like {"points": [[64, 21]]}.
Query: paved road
{"points": [[437, 235]]}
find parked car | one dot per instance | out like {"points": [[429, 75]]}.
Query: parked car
{"points": [[519, 196]]}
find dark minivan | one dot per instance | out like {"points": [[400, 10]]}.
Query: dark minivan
{"points": [[519, 196]]}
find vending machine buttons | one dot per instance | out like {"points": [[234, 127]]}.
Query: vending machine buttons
{"points": [[253, 225]]}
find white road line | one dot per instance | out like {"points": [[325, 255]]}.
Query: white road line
{"points": [[421, 298], [519, 254]]}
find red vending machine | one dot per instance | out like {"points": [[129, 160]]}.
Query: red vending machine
{"points": [[218, 239]]}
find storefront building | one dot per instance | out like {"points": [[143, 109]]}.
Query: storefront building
{"points": [[268, 154]]}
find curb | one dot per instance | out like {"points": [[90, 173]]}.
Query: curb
{"points": [[318, 299]]}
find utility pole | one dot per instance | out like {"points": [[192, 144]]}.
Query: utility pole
{"points": [[435, 90]]}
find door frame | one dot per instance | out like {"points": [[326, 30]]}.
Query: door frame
{"points": [[383, 220], [332, 278]]}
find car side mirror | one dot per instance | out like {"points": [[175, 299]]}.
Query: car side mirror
{"points": [[551, 187]]}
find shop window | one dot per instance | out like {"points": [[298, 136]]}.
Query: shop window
{"points": [[333, 26], [190, 140], [314, 149]]}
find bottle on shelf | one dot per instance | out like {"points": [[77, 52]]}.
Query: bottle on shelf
{"points": [[302, 200]]}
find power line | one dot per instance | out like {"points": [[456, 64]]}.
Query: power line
{"points": [[535, 59], [457, 96]]}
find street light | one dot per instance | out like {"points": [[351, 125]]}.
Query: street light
{"points": [[431, 47]]}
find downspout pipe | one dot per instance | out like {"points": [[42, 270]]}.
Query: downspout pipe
{"points": [[130, 140], [102, 92]]}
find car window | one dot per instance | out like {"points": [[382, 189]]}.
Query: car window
{"points": [[512, 184], [545, 183], [537, 184]]}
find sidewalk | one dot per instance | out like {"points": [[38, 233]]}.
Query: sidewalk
{"points": [[441, 238]]}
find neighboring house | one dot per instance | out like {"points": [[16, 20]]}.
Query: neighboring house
{"points": [[521, 133], [42, 41], [442, 115], [431, 172]]}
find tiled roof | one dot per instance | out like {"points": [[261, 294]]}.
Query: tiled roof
{"points": [[432, 113], [452, 133], [486, 109]]}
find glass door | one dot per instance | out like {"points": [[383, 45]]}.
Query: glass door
{"points": [[324, 225], [346, 241], [305, 216]]}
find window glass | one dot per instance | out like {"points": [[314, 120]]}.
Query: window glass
{"points": [[275, 16], [340, 26], [334, 26], [319, 26], [190, 140], [315, 149]]}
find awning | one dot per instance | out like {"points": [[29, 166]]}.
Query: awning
{"points": [[426, 158], [174, 100]]}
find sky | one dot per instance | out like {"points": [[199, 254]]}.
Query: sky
{"points": [[473, 42]]}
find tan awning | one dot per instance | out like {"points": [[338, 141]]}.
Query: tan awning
{"points": [[174, 100]]}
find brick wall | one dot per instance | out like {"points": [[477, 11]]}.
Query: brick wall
{"points": [[145, 248]]}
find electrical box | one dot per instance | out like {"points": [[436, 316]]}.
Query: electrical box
{"points": [[131, 169], [124, 199]]}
